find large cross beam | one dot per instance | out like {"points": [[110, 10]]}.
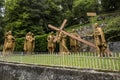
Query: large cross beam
{"points": [[70, 35], [61, 27]]}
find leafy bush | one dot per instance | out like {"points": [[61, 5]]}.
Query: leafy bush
{"points": [[81, 7], [19, 44], [110, 5], [41, 43], [112, 31]]}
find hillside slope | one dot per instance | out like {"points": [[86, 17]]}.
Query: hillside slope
{"points": [[109, 23]]}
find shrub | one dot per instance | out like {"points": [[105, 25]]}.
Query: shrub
{"points": [[19, 44], [112, 31], [41, 43]]}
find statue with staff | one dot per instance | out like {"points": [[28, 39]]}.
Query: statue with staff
{"points": [[99, 38]]}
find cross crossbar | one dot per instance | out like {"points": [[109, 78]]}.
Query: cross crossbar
{"points": [[72, 36]]}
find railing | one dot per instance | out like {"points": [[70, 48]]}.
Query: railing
{"points": [[73, 60]]}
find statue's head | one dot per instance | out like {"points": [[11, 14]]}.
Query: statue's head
{"points": [[9, 32], [96, 25], [29, 33]]}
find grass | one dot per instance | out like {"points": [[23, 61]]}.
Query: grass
{"points": [[74, 61]]}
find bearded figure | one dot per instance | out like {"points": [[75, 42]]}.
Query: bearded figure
{"points": [[100, 41]]}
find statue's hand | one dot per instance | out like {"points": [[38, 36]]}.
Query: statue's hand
{"points": [[104, 44]]}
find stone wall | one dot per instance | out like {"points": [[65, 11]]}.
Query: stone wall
{"points": [[14, 71], [114, 46]]}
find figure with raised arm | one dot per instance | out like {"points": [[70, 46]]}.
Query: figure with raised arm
{"points": [[99, 39]]}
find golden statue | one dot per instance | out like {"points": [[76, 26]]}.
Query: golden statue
{"points": [[62, 44], [51, 44], [100, 41], [74, 44], [9, 44], [29, 43]]}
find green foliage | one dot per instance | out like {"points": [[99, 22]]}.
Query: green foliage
{"points": [[35, 15], [21, 17], [110, 5], [19, 44], [1, 21], [81, 7], [112, 31], [41, 43], [1, 4]]}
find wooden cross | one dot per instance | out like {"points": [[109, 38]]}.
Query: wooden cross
{"points": [[68, 34], [61, 27]]}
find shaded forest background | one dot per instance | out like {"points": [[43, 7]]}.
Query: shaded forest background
{"points": [[22, 16]]}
